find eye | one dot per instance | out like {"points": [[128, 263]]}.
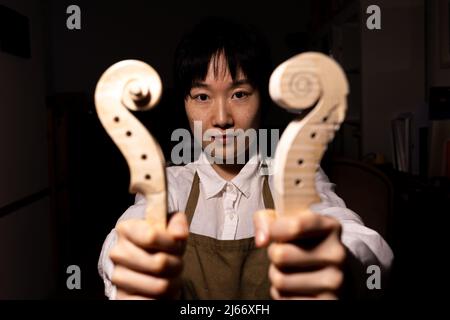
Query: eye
{"points": [[200, 97], [240, 95]]}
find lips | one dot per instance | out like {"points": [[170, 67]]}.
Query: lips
{"points": [[226, 138]]}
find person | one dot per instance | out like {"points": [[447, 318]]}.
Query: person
{"points": [[221, 242]]}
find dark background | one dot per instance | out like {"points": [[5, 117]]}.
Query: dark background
{"points": [[64, 184]]}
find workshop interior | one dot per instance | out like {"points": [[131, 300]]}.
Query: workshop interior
{"points": [[64, 184]]}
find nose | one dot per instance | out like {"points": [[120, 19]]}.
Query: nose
{"points": [[222, 116]]}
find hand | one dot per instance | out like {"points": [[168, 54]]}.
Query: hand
{"points": [[306, 255], [148, 261]]}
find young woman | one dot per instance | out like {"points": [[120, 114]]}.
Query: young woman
{"points": [[221, 243]]}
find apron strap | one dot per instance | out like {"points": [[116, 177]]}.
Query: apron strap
{"points": [[193, 199], [267, 195], [195, 192]]}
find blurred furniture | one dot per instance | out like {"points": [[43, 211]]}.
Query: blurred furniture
{"points": [[366, 190]]}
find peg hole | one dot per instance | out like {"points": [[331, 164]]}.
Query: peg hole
{"points": [[313, 135], [297, 182], [300, 162], [325, 119], [116, 119], [144, 157], [128, 133], [147, 177]]}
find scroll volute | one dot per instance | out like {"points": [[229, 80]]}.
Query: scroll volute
{"points": [[314, 83], [134, 85]]}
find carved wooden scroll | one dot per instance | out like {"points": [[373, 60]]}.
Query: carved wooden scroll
{"points": [[308, 80], [134, 85]]}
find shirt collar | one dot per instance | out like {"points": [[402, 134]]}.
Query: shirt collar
{"points": [[210, 180], [213, 183], [243, 178]]}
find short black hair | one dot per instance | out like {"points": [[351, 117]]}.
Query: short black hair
{"points": [[243, 47]]}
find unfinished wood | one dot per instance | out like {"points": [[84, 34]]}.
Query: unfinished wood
{"points": [[306, 80], [132, 84]]}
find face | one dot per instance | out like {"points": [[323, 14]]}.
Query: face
{"points": [[225, 108]]}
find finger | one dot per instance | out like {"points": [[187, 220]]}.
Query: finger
{"points": [[132, 257], [292, 256], [123, 295], [262, 220], [328, 279], [303, 225], [141, 284], [142, 234], [327, 296], [277, 295], [178, 226]]}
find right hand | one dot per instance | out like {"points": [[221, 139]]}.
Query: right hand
{"points": [[147, 261]]}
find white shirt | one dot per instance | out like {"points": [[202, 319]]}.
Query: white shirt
{"points": [[225, 211]]}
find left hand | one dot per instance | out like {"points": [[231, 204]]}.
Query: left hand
{"points": [[306, 254]]}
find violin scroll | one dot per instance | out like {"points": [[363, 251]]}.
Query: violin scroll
{"points": [[314, 83], [134, 85]]}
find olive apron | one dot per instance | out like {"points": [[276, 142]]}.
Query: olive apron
{"points": [[224, 269]]}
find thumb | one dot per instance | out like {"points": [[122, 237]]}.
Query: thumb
{"points": [[262, 220], [178, 226]]}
